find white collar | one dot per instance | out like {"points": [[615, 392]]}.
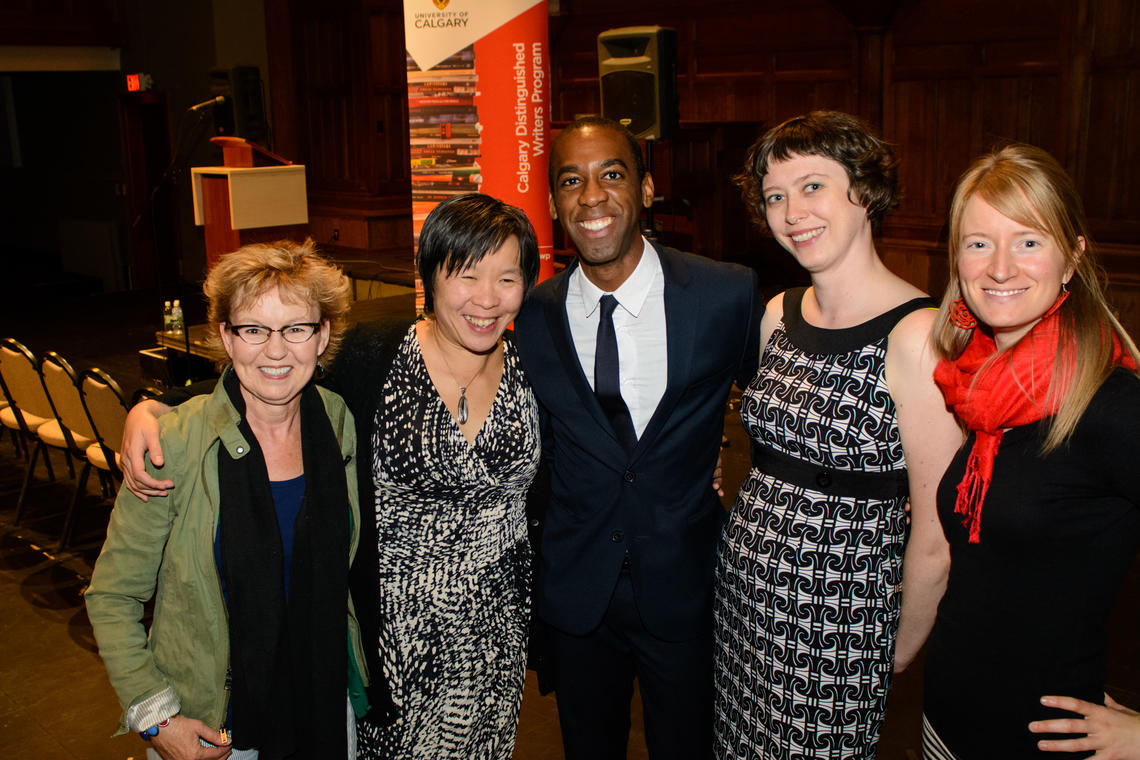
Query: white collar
{"points": [[632, 293]]}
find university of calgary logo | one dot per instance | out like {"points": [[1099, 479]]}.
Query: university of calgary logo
{"points": [[441, 4]]}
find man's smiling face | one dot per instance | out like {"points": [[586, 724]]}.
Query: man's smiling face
{"points": [[598, 197]]}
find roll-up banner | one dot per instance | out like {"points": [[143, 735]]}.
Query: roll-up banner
{"points": [[479, 106]]}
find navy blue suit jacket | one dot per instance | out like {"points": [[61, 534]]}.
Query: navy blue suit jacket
{"points": [[657, 502]]}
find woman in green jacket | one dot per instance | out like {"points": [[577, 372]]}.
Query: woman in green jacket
{"points": [[253, 645]]}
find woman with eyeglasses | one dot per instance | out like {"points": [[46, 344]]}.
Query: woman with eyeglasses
{"points": [[448, 445], [253, 647]]}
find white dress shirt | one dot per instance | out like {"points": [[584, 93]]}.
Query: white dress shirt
{"points": [[639, 322]]}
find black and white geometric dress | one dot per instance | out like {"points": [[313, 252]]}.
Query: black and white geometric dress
{"points": [[455, 565], [809, 568]]}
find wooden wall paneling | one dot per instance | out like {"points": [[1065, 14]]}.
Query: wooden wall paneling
{"points": [[932, 148], [769, 27], [1128, 160], [1022, 108], [1107, 178], [347, 102], [727, 53], [912, 109], [329, 101], [816, 63], [1122, 262], [946, 102], [933, 141], [1124, 297], [282, 80], [329, 147], [1108, 185], [701, 210], [728, 72], [920, 263], [688, 60], [388, 100], [961, 78], [928, 22], [869, 74], [1076, 57], [937, 126], [1111, 156], [1114, 25], [574, 73], [681, 171], [788, 98], [803, 81], [738, 64], [736, 228]]}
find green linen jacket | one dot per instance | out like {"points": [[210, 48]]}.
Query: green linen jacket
{"points": [[165, 549]]}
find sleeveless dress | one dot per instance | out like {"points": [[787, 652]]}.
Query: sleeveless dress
{"points": [[455, 565], [809, 567]]}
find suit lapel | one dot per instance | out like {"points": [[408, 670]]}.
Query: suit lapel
{"points": [[682, 306], [563, 341]]}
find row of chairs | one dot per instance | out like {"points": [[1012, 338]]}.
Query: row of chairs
{"points": [[49, 405]]}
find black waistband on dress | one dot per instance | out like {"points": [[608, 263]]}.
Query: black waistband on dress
{"points": [[856, 484]]}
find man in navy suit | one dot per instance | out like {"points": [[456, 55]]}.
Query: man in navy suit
{"points": [[630, 533]]}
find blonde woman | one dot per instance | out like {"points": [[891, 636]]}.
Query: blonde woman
{"points": [[1040, 505], [253, 645]]}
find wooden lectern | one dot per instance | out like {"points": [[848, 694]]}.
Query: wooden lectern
{"points": [[256, 197]]}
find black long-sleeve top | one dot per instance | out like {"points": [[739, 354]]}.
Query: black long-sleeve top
{"points": [[1026, 609]]}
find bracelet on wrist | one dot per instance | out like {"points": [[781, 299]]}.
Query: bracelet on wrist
{"points": [[151, 732]]}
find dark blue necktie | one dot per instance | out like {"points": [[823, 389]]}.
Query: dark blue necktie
{"points": [[606, 383]]}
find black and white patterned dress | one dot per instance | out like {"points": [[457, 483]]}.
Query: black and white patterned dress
{"points": [[809, 567], [455, 565]]}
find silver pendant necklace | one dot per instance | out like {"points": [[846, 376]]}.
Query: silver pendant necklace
{"points": [[462, 412]]}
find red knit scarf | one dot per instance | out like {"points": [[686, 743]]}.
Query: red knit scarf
{"points": [[990, 396], [1008, 392]]}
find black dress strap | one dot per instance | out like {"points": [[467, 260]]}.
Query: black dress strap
{"points": [[822, 340]]}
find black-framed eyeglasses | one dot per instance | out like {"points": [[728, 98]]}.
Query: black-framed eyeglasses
{"points": [[255, 335]]}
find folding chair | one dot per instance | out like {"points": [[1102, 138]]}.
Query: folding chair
{"points": [[70, 431], [21, 422], [102, 400], [30, 409], [14, 430]]}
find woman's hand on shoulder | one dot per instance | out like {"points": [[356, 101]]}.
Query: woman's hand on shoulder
{"points": [[140, 437], [1112, 731]]}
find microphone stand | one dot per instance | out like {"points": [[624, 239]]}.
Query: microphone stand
{"points": [[170, 175]]}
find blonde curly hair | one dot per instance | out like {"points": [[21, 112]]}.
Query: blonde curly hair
{"points": [[298, 272]]}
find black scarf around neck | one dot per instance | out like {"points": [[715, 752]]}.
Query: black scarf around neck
{"points": [[289, 660]]}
